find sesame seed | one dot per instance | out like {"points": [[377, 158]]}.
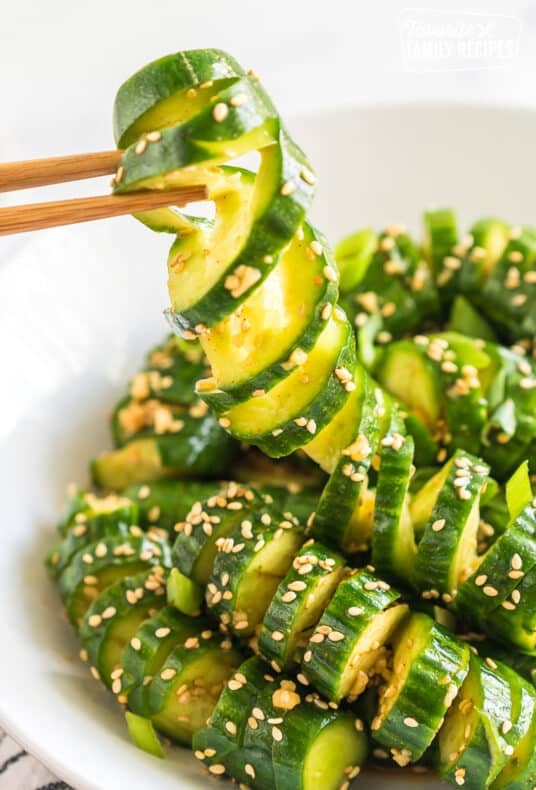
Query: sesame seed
{"points": [[490, 591], [335, 636], [250, 770], [330, 274], [220, 112], [160, 633], [516, 562], [411, 722], [516, 596], [308, 177], [238, 100], [277, 735], [481, 580], [168, 674], [141, 146], [230, 726], [217, 769], [94, 620], [438, 525], [288, 188], [355, 611], [109, 612], [225, 422]]}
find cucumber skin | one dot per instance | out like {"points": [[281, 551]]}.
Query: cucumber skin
{"points": [[391, 495], [164, 77], [280, 616], [322, 408], [471, 602], [328, 659], [137, 664], [94, 639], [422, 697], [436, 550]]}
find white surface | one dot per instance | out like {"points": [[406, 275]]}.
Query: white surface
{"points": [[61, 61], [79, 306]]}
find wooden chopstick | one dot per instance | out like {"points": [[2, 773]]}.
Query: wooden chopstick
{"points": [[37, 216], [57, 169]]}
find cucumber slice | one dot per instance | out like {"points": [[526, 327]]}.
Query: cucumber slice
{"points": [[146, 651], [114, 617], [199, 448], [248, 568], [347, 645], [183, 694], [85, 509], [393, 539], [341, 516], [101, 564], [209, 522], [144, 735], [318, 748], [353, 255], [184, 594], [440, 236], [508, 296], [117, 517], [298, 602], [249, 357], [166, 502], [409, 374], [447, 551], [500, 570], [520, 770], [514, 621], [285, 417], [475, 741], [160, 88], [220, 742], [411, 706], [465, 320]]}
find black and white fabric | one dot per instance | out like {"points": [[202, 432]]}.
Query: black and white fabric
{"points": [[20, 771]]}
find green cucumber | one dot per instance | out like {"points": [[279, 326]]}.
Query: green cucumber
{"points": [[207, 523], [353, 255], [520, 770], [184, 594], [514, 621], [347, 645], [147, 650], [106, 516], [499, 572], [143, 734], [166, 502], [114, 617], [220, 742], [263, 352], [340, 517], [447, 550], [298, 602], [429, 666], [480, 731], [200, 448], [248, 568], [288, 415], [393, 539], [440, 236], [182, 695], [97, 566], [318, 748], [465, 320]]}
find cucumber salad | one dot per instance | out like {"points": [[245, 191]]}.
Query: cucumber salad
{"points": [[313, 546]]}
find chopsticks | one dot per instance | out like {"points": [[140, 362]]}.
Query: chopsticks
{"points": [[60, 169]]}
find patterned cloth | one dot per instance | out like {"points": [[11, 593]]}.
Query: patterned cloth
{"points": [[20, 771]]}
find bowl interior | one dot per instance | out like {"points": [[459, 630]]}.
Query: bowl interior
{"points": [[78, 308]]}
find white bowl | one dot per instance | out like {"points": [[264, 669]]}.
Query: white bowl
{"points": [[78, 308]]}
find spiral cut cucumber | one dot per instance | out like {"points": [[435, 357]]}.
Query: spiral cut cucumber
{"points": [[390, 365]]}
